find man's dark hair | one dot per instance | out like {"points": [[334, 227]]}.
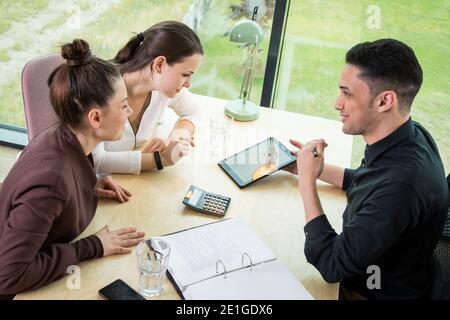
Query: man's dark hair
{"points": [[388, 64]]}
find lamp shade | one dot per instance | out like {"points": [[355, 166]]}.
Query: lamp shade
{"points": [[246, 31]]}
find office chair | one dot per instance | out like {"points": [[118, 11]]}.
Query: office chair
{"points": [[440, 287], [39, 112], [446, 231]]}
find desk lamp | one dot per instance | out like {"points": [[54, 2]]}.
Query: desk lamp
{"points": [[250, 34]]}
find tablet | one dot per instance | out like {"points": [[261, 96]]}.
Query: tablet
{"points": [[257, 162]]}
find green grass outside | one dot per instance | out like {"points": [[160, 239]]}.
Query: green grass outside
{"points": [[16, 10], [118, 24], [425, 26], [105, 37]]}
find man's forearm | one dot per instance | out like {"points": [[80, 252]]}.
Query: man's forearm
{"points": [[311, 201], [333, 175]]}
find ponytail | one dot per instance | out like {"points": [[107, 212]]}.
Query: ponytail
{"points": [[172, 39], [127, 52]]}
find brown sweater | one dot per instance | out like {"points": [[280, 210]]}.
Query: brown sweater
{"points": [[46, 201]]}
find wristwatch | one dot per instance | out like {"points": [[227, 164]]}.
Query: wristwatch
{"points": [[158, 160]]}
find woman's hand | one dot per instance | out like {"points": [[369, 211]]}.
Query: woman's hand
{"points": [[119, 241], [176, 149], [156, 144], [106, 187], [183, 129]]}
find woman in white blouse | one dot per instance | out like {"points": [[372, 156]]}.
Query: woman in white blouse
{"points": [[157, 66]]}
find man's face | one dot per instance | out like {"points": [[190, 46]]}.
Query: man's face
{"points": [[355, 103]]}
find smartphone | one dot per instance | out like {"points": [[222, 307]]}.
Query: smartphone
{"points": [[119, 290]]}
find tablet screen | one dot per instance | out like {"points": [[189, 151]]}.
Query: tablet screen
{"points": [[257, 161]]}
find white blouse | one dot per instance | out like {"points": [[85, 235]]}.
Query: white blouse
{"points": [[118, 156]]}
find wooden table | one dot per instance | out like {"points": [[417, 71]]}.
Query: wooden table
{"points": [[272, 206]]}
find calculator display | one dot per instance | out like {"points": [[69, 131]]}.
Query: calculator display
{"points": [[196, 194]]}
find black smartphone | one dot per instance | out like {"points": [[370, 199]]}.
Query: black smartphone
{"points": [[119, 290]]}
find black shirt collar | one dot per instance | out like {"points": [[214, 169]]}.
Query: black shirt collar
{"points": [[373, 151]]}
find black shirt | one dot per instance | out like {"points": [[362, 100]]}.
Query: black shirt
{"points": [[397, 204]]}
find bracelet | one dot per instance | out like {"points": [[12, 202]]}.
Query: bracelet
{"points": [[158, 160]]}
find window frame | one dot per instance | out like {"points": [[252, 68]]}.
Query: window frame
{"points": [[13, 136], [280, 16]]}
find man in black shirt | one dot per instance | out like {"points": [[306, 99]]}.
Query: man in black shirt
{"points": [[397, 198]]}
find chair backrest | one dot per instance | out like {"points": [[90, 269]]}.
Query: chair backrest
{"points": [[442, 253], [39, 112], [446, 232], [440, 284]]}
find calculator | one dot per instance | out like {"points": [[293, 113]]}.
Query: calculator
{"points": [[206, 202]]}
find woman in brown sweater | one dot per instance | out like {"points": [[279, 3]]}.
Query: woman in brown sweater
{"points": [[50, 195]]}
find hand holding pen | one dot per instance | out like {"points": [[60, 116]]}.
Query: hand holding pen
{"points": [[310, 158]]}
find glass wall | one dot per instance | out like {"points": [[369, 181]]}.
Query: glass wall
{"points": [[222, 71], [319, 33], [32, 28]]}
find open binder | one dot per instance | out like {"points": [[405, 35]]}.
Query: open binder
{"points": [[227, 260]]}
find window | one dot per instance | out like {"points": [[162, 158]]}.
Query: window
{"points": [[316, 38], [222, 73], [30, 29], [41, 28], [319, 33]]}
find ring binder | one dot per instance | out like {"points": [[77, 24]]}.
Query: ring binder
{"points": [[245, 254], [224, 269], [233, 254]]}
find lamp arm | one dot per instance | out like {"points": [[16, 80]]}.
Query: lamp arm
{"points": [[248, 76]]}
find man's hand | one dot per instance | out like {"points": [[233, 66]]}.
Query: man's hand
{"points": [[292, 168], [107, 188], [310, 160], [310, 164], [119, 241]]}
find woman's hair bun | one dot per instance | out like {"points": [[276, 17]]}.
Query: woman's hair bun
{"points": [[76, 53]]}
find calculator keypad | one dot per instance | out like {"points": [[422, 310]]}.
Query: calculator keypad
{"points": [[206, 202], [215, 204]]}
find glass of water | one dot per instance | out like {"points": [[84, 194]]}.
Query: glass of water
{"points": [[152, 259], [221, 126]]}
